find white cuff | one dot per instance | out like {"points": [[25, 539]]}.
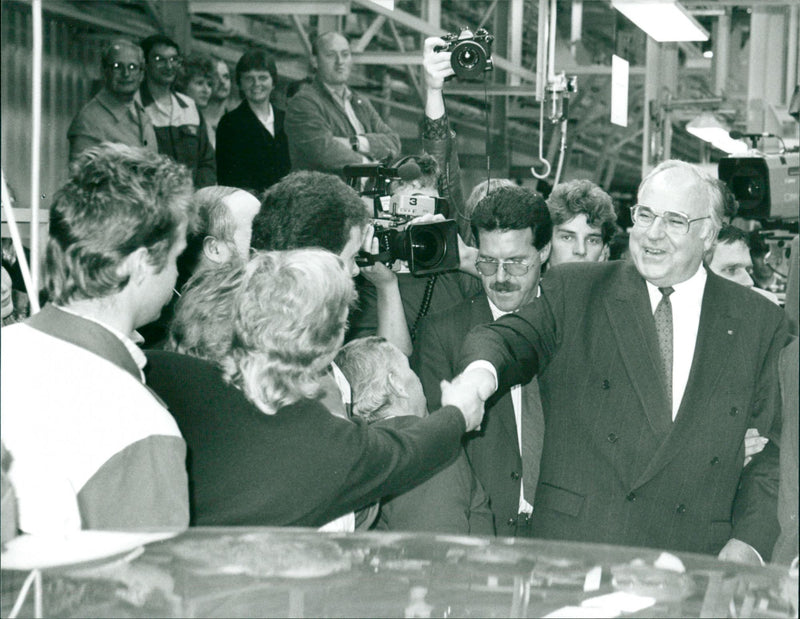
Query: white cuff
{"points": [[482, 364]]}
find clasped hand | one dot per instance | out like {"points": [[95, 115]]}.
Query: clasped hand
{"points": [[469, 391]]}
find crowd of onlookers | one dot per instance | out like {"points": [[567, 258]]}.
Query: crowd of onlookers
{"points": [[218, 349]]}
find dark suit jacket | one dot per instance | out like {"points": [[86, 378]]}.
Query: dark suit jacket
{"points": [[452, 501], [493, 451], [248, 157], [786, 547], [615, 468], [299, 467]]}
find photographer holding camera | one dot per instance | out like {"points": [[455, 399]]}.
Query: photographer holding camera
{"points": [[422, 295]]}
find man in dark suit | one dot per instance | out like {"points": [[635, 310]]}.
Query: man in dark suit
{"points": [[650, 373], [513, 229]]}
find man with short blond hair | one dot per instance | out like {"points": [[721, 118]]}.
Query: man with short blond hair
{"points": [[92, 446]]}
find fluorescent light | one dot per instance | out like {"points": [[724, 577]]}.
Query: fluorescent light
{"points": [[710, 129], [663, 20]]}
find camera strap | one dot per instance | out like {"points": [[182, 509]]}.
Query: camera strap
{"points": [[424, 306]]}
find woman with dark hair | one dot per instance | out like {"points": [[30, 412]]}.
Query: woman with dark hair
{"points": [[252, 150], [195, 79]]}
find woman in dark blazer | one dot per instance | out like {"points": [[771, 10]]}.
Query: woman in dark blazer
{"points": [[252, 150]]}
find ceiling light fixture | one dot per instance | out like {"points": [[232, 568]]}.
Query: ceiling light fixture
{"points": [[663, 20], [709, 128]]}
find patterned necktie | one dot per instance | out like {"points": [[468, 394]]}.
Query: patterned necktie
{"points": [[532, 435], [663, 318]]}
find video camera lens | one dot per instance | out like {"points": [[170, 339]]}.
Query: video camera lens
{"points": [[428, 246]]}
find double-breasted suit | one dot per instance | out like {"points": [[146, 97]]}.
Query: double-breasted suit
{"points": [[493, 451], [615, 467]]}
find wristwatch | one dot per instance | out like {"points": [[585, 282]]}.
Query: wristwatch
{"points": [[354, 142]]}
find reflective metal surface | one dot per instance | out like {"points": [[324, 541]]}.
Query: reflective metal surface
{"points": [[249, 572]]}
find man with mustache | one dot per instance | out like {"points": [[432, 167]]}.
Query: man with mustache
{"points": [[513, 231]]}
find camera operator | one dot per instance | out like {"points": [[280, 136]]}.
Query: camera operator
{"points": [[422, 295]]}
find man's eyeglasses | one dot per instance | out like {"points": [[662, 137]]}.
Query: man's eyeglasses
{"points": [[121, 67], [677, 223], [487, 266], [173, 61]]}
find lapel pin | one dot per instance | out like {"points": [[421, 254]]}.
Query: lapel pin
{"points": [[730, 331]]}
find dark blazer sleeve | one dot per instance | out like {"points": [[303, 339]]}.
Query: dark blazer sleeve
{"points": [[452, 501], [755, 508], [397, 454]]}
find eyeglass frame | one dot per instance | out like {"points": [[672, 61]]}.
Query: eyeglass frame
{"points": [[175, 61], [504, 263], [635, 208], [132, 67]]}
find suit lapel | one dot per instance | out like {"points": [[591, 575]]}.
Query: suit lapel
{"points": [[631, 318], [717, 335], [503, 409]]}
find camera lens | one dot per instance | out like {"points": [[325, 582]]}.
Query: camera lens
{"points": [[467, 58], [428, 246], [749, 190]]}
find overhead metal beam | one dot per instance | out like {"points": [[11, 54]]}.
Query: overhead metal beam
{"points": [[128, 26], [307, 7], [369, 33]]}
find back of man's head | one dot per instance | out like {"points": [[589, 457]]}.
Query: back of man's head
{"points": [[213, 219], [118, 199], [308, 209], [582, 196], [513, 208], [379, 379]]}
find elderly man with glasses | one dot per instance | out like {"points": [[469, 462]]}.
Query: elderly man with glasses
{"points": [[513, 231], [180, 128], [115, 114], [651, 371]]}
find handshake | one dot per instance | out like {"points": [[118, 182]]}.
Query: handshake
{"points": [[468, 392]]}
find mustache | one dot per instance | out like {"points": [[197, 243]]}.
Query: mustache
{"points": [[504, 287]]}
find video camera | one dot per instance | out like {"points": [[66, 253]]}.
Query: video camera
{"points": [[766, 186], [427, 247], [471, 54]]}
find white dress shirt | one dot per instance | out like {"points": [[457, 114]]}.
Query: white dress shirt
{"points": [[516, 402], [686, 302]]}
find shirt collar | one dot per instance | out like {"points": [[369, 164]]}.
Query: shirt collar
{"points": [[138, 356], [113, 105], [692, 287], [497, 312], [345, 93]]}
